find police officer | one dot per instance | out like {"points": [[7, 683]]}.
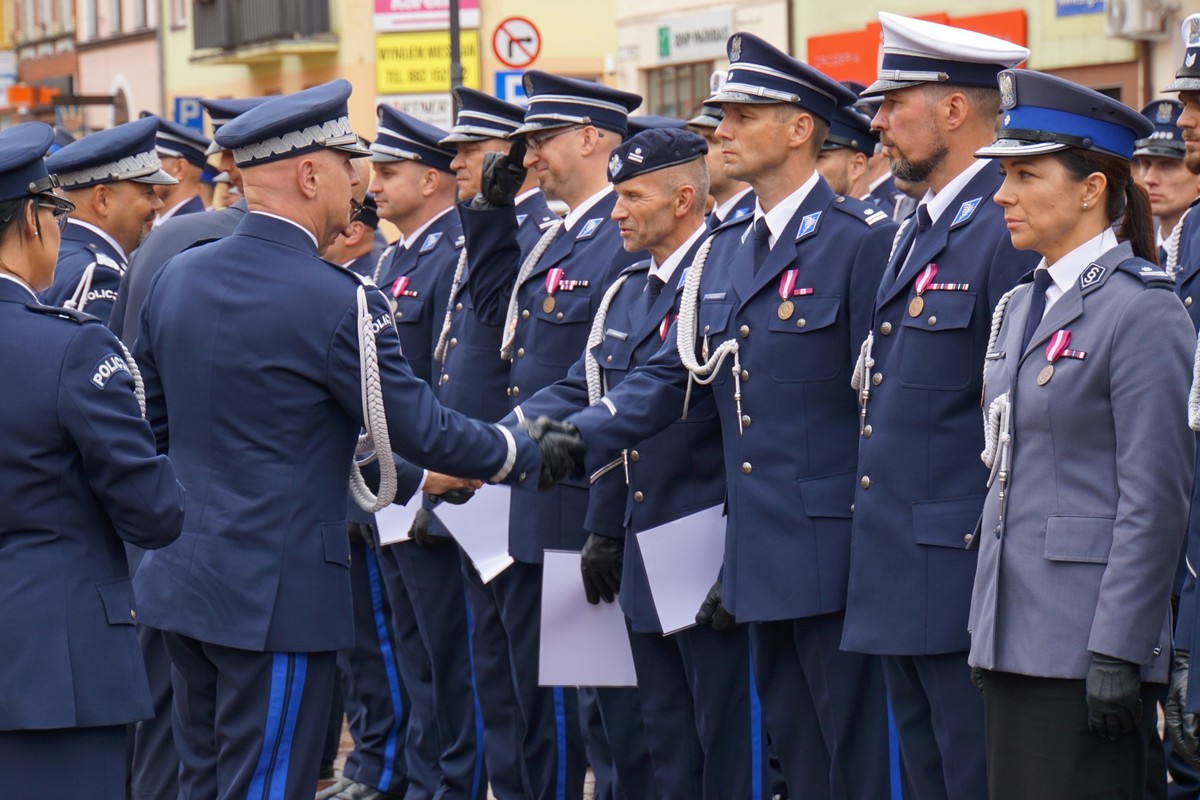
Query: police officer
{"points": [[184, 155], [78, 476], [774, 326], [172, 239], [846, 152], [731, 199], [472, 379], [694, 685], [1158, 166], [919, 487], [1085, 387], [571, 128], [258, 388], [111, 177]]}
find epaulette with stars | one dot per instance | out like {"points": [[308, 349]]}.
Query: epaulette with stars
{"points": [[867, 213]]}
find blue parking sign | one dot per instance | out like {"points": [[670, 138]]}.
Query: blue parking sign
{"points": [[508, 86], [189, 113]]}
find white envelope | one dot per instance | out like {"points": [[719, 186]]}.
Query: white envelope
{"points": [[683, 559], [480, 526]]}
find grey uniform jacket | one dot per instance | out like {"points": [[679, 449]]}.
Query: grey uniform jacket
{"points": [[1079, 553]]}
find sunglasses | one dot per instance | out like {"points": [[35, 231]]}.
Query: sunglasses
{"points": [[59, 207]]}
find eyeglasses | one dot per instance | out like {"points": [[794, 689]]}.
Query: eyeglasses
{"points": [[60, 208], [356, 208], [537, 142]]}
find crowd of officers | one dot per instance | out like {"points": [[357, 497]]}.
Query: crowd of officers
{"points": [[927, 345]]}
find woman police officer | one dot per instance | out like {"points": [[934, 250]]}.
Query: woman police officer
{"points": [[78, 475], [1086, 382]]}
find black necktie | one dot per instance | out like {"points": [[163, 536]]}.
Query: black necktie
{"points": [[1037, 305], [762, 242], [654, 287], [920, 224]]}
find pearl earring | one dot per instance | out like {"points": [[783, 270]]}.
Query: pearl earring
{"points": [[1085, 206]]}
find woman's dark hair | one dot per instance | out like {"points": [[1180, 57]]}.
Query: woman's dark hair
{"points": [[1126, 200]]}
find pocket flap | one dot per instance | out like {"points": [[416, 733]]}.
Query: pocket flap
{"points": [[568, 307], [943, 311], [117, 596], [811, 314], [408, 309], [946, 523], [828, 495], [336, 542], [613, 353], [1083, 539], [712, 317]]}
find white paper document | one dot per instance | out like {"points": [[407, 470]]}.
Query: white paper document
{"points": [[581, 644], [394, 520], [480, 526], [683, 560]]}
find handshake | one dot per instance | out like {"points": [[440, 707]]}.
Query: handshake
{"points": [[562, 449]]}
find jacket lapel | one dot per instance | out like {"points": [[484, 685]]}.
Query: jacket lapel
{"points": [[802, 227], [564, 244]]}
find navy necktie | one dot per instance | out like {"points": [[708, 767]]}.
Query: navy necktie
{"points": [[762, 242], [654, 287], [1037, 305]]}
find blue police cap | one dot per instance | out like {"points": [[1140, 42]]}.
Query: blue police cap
{"points": [[648, 122], [1167, 140], [917, 51], [480, 116], [654, 149], [1187, 79], [707, 117], [180, 142], [402, 137], [293, 124], [221, 112], [22, 167], [555, 102], [1044, 114], [851, 129], [762, 73], [123, 153]]}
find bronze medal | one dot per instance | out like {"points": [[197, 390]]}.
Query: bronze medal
{"points": [[548, 304], [916, 306], [1045, 375], [786, 309]]}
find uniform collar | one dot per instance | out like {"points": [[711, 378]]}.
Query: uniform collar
{"points": [[124, 257], [523, 196], [779, 216], [1067, 269], [6, 278], [173, 210], [936, 204], [875, 184], [293, 223], [586, 206], [407, 241], [723, 210], [665, 270]]}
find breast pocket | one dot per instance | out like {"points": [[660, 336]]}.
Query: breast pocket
{"points": [[712, 318], [805, 347], [614, 354], [561, 330], [938, 345], [408, 309]]}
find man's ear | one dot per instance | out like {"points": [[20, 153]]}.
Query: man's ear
{"points": [[103, 198], [307, 176]]}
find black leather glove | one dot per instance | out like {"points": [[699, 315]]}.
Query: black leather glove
{"points": [[712, 612], [455, 497], [1183, 729], [1114, 696], [419, 530], [503, 174], [562, 449], [977, 679], [601, 561]]}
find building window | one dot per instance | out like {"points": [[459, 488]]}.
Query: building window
{"points": [[115, 23], [179, 13], [91, 15], [678, 90], [140, 15]]}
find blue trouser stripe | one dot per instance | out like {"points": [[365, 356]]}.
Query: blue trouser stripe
{"points": [[560, 725], [383, 631], [279, 774], [260, 783], [756, 738], [477, 774], [894, 755]]}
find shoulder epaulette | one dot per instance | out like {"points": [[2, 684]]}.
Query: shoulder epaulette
{"points": [[363, 279], [460, 242], [640, 266], [78, 317], [106, 261], [1151, 276], [867, 213], [736, 222]]}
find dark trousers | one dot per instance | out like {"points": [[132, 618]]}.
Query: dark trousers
{"points": [[374, 697], [76, 763], [825, 709], [1039, 746], [700, 712], [622, 740], [248, 724], [939, 720], [154, 763]]}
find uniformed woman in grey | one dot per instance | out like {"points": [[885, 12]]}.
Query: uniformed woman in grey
{"points": [[1086, 380], [78, 476]]}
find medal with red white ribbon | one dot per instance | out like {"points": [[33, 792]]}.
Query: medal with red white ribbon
{"points": [[665, 326], [1056, 349], [788, 290], [917, 304], [400, 288], [553, 278]]}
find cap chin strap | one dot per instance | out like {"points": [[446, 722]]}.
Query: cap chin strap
{"points": [[374, 441]]}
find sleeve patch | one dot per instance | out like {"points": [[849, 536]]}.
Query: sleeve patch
{"points": [[110, 365]]}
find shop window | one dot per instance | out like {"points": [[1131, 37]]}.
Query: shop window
{"points": [[678, 90]]}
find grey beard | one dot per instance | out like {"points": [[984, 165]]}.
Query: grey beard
{"points": [[919, 171]]}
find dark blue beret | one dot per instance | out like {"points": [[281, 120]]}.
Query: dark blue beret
{"points": [[654, 149]]}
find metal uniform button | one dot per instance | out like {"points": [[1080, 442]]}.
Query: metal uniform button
{"points": [[707, 328], [133, 615], [458, 306], [852, 508], [454, 342], [867, 431], [933, 320], [745, 375], [558, 316], [744, 331], [745, 420], [800, 323], [747, 467], [886, 329], [608, 359], [877, 378], [399, 315], [516, 391], [865, 482], [525, 314], [445, 380], [1187, 302], [967, 539], [638, 497], [520, 352], [634, 455]]}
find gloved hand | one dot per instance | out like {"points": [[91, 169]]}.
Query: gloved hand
{"points": [[601, 561], [419, 530], [1183, 729], [455, 497], [562, 449], [977, 678], [1114, 696], [712, 612], [503, 174]]}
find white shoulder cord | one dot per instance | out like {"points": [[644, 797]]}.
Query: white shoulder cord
{"points": [[139, 386], [1172, 245], [374, 439], [510, 319], [996, 435], [1194, 395], [439, 352], [595, 386], [685, 338], [859, 381], [79, 300], [383, 258]]}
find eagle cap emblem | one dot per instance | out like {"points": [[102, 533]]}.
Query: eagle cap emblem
{"points": [[1164, 113], [735, 48], [1008, 91], [1193, 31], [527, 83], [614, 165]]}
